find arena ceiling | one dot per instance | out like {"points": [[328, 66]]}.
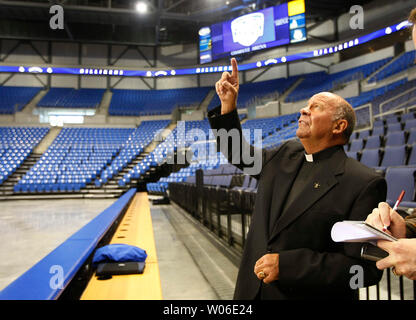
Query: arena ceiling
{"points": [[117, 21]]}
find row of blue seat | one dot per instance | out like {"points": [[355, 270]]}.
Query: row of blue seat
{"points": [[401, 64], [78, 164], [72, 98], [392, 98], [14, 99], [380, 158], [260, 89], [17, 143], [321, 81], [135, 145], [185, 138], [395, 138], [208, 163], [153, 102]]}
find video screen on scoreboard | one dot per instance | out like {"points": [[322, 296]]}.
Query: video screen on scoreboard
{"points": [[259, 30]]}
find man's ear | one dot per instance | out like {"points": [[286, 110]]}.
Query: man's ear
{"points": [[340, 126]]}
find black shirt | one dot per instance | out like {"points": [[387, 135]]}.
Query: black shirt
{"points": [[307, 175]]}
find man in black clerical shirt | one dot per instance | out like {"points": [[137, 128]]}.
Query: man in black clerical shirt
{"points": [[304, 187]]}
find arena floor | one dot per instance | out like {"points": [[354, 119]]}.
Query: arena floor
{"points": [[191, 267]]}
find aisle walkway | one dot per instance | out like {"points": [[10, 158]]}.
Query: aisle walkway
{"points": [[190, 265]]}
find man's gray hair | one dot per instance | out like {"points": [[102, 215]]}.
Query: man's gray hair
{"points": [[345, 111]]}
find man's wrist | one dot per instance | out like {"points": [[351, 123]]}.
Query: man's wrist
{"points": [[227, 108]]}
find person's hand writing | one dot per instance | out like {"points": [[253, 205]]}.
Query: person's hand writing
{"points": [[402, 256], [384, 215], [269, 265], [227, 89]]}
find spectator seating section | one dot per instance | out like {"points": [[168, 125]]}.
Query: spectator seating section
{"points": [[16, 144], [154, 102], [262, 89], [369, 96], [392, 153], [400, 96], [72, 98], [182, 136], [135, 144], [383, 148], [14, 99], [273, 130], [71, 255], [374, 98], [205, 161], [321, 81], [74, 159], [274, 140], [267, 126]]}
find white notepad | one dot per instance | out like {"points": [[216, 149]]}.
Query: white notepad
{"points": [[358, 231]]}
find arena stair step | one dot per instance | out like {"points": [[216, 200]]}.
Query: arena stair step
{"points": [[19, 173]]}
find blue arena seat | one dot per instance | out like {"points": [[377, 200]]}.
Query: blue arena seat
{"points": [[398, 179], [373, 141], [370, 157], [396, 138], [378, 130], [412, 136], [364, 134], [356, 145], [394, 156], [410, 124], [392, 127]]}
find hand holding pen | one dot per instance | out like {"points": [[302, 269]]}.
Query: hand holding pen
{"points": [[387, 219]]}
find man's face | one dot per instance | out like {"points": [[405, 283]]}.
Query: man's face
{"points": [[316, 120]]}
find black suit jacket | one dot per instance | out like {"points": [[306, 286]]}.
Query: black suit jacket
{"points": [[311, 265]]}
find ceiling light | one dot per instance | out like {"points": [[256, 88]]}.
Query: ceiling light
{"points": [[141, 7]]}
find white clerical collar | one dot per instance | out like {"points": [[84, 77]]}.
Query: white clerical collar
{"points": [[309, 157]]}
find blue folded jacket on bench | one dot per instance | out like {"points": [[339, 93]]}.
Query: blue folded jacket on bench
{"points": [[118, 252]]}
